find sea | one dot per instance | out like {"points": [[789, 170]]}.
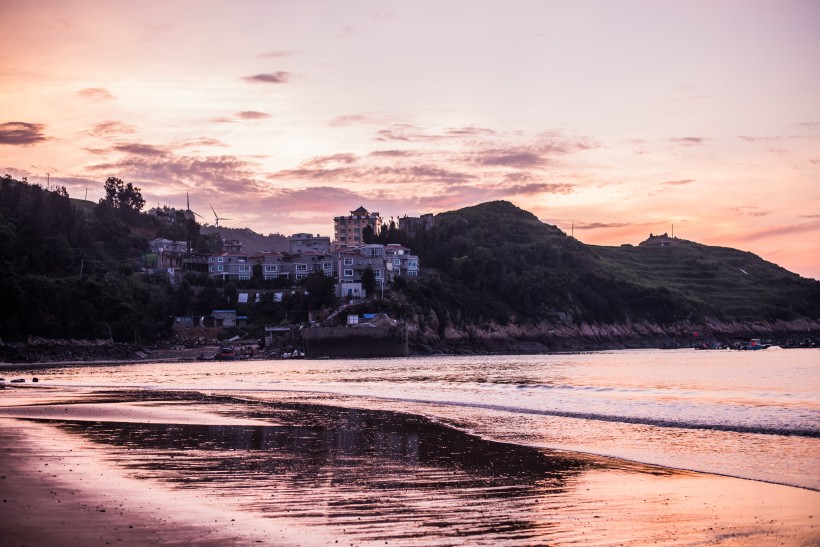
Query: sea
{"points": [[747, 414]]}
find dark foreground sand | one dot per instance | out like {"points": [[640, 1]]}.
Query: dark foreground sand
{"points": [[159, 468]]}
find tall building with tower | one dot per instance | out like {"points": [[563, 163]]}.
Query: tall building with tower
{"points": [[348, 230]]}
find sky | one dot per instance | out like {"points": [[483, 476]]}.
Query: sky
{"points": [[609, 119]]}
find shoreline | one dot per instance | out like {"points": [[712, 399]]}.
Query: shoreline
{"points": [[554, 496]]}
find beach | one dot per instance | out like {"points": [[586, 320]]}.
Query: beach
{"points": [[87, 467]]}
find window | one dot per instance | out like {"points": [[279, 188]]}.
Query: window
{"points": [[244, 269], [412, 273], [271, 268], [348, 261], [301, 267], [413, 264], [210, 259], [378, 274], [301, 276], [210, 268], [269, 277], [397, 262], [327, 266], [219, 268], [244, 277], [348, 273], [220, 259]]}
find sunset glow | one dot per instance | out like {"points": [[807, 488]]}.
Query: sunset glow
{"points": [[611, 120]]}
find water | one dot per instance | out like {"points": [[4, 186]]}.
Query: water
{"points": [[753, 415]]}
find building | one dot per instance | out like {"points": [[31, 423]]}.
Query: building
{"points": [[161, 245], [386, 261], [348, 230], [400, 261], [413, 226], [301, 243], [231, 266], [232, 246]]}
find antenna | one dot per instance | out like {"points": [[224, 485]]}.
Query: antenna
{"points": [[187, 201], [673, 231]]}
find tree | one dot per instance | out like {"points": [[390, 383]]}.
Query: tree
{"points": [[122, 196], [368, 236], [369, 281]]}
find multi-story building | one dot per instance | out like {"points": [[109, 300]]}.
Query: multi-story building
{"points": [[413, 226], [271, 263], [348, 230], [301, 243], [401, 261], [231, 266]]}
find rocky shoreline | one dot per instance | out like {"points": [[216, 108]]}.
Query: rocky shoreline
{"points": [[485, 339], [551, 338]]}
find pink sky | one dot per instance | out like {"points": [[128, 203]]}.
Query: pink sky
{"points": [[620, 118]]}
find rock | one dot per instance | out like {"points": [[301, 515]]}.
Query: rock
{"points": [[18, 380], [35, 379]]}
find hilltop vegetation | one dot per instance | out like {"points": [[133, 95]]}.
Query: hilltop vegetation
{"points": [[499, 263]]}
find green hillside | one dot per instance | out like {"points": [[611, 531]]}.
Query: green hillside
{"points": [[498, 262], [721, 282]]}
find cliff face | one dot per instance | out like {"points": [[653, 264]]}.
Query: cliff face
{"points": [[549, 337]]}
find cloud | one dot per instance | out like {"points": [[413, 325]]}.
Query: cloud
{"points": [[221, 175], [678, 182], [375, 175], [97, 93], [22, 133], [223, 119], [279, 77], [349, 119], [749, 211], [391, 153], [412, 133], [791, 229], [321, 161], [277, 54], [688, 141], [468, 131], [199, 141], [757, 139], [107, 129], [536, 188], [609, 225], [810, 126], [511, 158], [139, 149], [252, 115]]}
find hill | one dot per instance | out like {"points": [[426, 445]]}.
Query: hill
{"points": [[499, 264]]}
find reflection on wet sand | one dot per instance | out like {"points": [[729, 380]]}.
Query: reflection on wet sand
{"points": [[375, 475], [336, 470]]}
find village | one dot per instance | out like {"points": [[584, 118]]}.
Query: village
{"points": [[361, 269]]}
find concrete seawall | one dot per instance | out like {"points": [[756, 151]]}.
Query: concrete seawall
{"points": [[388, 341]]}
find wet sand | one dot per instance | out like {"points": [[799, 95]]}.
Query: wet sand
{"points": [[136, 467]]}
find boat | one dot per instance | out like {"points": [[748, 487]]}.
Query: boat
{"points": [[226, 353], [753, 344]]}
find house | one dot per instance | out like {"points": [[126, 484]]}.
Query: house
{"points": [[231, 266], [224, 318], [271, 264], [301, 243], [401, 261], [348, 230]]}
